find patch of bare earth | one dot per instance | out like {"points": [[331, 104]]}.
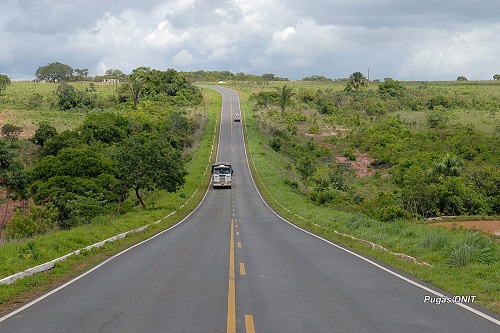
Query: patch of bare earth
{"points": [[362, 164], [492, 227]]}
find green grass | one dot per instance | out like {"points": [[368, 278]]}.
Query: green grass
{"points": [[16, 256], [27, 104]]}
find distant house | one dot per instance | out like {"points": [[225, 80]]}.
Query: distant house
{"points": [[110, 80], [221, 82]]}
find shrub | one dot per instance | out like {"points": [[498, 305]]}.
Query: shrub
{"points": [[39, 220]]}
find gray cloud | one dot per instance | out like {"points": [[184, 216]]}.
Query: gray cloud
{"points": [[402, 39]]}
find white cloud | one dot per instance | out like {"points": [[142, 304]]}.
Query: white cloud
{"points": [[183, 58], [451, 54], [163, 36], [221, 54]]}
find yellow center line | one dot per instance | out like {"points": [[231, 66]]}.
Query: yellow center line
{"points": [[239, 244], [231, 295], [249, 324], [242, 269]]}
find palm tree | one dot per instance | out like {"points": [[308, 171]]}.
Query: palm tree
{"points": [[136, 85], [356, 80], [448, 166], [284, 97]]}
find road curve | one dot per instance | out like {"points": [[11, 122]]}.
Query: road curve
{"points": [[235, 266]]}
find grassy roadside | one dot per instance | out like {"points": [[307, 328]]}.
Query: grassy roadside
{"points": [[18, 256], [415, 239]]}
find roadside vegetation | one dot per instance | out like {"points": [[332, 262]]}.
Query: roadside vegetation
{"points": [[380, 162], [91, 163]]}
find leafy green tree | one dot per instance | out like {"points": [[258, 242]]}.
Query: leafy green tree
{"points": [[114, 73], [65, 139], [496, 77], [306, 166], [147, 163], [44, 132], [54, 72], [81, 74], [68, 96], [391, 88], [17, 182], [5, 158], [79, 182], [104, 127], [356, 81], [4, 82], [11, 132]]}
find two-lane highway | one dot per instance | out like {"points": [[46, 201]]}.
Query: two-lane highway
{"points": [[235, 266]]}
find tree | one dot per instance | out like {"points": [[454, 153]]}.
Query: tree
{"points": [[44, 132], [391, 88], [81, 73], [136, 85], [114, 73], [448, 166], [69, 96], [17, 183], [4, 82], [146, 163], [11, 132], [356, 80], [496, 77], [284, 97], [54, 72], [461, 78], [79, 182], [104, 127]]}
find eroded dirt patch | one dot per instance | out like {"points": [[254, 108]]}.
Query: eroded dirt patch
{"points": [[492, 227]]}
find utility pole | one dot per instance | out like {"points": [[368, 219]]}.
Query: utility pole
{"points": [[368, 74]]}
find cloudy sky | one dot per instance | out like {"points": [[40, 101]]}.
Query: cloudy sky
{"points": [[401, 39]]}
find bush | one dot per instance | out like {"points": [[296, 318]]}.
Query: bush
{"points": [[437, 117], [39, 220]]}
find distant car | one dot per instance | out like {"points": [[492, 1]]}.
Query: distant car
{"points": [[237, 117]]}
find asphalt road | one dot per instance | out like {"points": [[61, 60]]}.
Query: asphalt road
{"points": [[233, 265]]}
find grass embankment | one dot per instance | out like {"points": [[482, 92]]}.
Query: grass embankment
{"points": [[17, 256], [437, 246]]}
